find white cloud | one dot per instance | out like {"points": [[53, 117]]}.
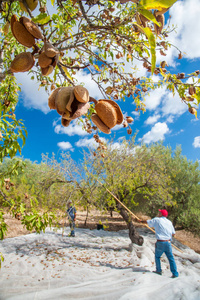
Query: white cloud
{"points": [[121, 148], [194, 120], [33, 97], [178, 132], [156, 134], [65, 146], [196, 143], [170, 119], [185, 17], [116, 145], [136, 114], [72, 129], [193, 81], [153, 100], [117, 127], [152, 119], [89, 143], [57, 121], [164, 102], [172, 105]]}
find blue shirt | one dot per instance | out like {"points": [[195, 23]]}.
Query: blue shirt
{"points": [[71, 212], [163, 228]]}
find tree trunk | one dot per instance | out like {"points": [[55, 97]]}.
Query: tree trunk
{"points": [[174, 222], [133, 234], [86, 216]]}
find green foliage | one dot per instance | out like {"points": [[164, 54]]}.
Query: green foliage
{"points": [[1, 259], [132, 171], [11, 167], [185, 176], [37, 221], [144, 178], [27, 192], [157, 4], [190, 220], [147, 178], [11, 130], [183, 194], [3, 226]]}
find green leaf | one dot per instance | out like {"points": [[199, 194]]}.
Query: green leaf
{"points": [[146, 13], [30, 218], [197, 95], [111, 54], [39, 223], [152, 44], [67, 73], [61, 28], [157, 4], [42, 19], [1, 258], [22, 208]]}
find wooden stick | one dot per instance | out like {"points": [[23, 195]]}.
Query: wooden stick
{"points": [[132, 212]]}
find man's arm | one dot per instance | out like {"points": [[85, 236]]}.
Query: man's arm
{"points": [[142, 221]]}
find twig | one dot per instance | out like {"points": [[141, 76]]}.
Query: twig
{"points": [[74, 67], [5, 199], [64, 75], [28, 10]]}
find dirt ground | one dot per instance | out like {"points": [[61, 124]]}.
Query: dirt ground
{"points": [[113, 223]]}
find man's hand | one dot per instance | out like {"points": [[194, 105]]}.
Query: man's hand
{"points": [[142, 221]]}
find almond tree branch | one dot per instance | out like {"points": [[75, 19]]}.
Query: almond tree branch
{"points": [[64, 75]]}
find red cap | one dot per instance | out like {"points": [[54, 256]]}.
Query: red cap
{"points": [[164, 212]]}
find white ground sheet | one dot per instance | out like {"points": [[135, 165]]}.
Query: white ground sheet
{"points": [[96, 264]]}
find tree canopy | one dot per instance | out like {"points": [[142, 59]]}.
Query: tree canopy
{"points": [[54, 40]]}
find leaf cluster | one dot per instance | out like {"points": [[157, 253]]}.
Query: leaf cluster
{"points": [[105, 39]]}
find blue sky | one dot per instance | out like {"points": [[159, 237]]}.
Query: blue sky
{"points": [[166, 118]]}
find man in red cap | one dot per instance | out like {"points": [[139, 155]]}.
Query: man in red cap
{"points": [[164, 231]]}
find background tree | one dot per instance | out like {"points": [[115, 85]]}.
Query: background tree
{"points": [[128, 172], [82, 186], [23, 195], [182, 200], [190, 218], [185, 176]]}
